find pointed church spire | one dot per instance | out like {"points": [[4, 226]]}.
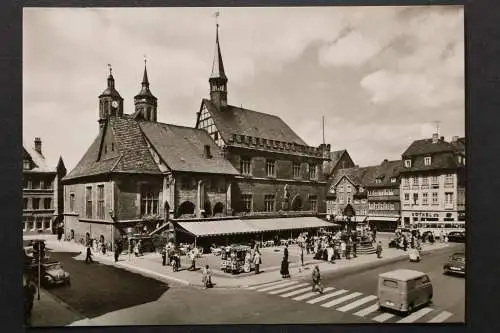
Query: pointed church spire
{"points": [[145, 102], [111, 79], [218, 78], [145, 81], [218, 64]]}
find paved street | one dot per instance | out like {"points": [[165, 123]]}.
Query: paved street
{"points": [[97, 289], [285, 302]]}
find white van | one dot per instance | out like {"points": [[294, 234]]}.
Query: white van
{"points": [[404, 290]]}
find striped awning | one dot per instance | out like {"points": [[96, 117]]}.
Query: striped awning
{"points": [[215, 228], [288, 223], [237, 226], [384, 218]]}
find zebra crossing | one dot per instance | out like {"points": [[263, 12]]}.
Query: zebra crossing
{"points": [[347, 301]]}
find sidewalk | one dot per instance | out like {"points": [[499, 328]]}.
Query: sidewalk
{"points": [[150, 266], [50, 311]]}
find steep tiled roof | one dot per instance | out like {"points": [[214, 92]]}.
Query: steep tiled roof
{"points": [[426, 146], [182, 148], [385, 171], [459, 145], [442, 153], [446, 160], [358, 176], [89, 165], [235, 120], [39, 163], [134, 154], [335, 157]]}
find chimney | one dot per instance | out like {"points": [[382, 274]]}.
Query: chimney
{"points": [[386, 160], [208, 154], [435, 138], [442, 138], [454, 138], [38, 145]]}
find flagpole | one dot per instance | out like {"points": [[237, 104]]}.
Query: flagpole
{"points": [[323, 127]]}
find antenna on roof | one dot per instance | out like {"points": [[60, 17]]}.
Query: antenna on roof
{"points": [[323, 127], [437, 122]]}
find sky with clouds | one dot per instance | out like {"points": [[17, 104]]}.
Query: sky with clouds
{"points": [[381, 76]]}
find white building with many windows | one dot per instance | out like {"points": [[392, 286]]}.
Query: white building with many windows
{"points": [[433, 181]]}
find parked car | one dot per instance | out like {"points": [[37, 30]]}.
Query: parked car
{"points": [[455, 264], [51, 273], [456, 237]]}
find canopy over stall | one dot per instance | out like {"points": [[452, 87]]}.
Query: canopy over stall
{"points": [[249, 226], [384, 218], [291, 223]]}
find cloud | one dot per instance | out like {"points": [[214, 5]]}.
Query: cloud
{"points": [[367, 69], [353, 50]]}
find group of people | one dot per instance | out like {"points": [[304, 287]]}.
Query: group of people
{"points": [[95, 246], [409, 239]]}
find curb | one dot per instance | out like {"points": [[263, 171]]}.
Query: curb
{"points": [[341, 270], [59, 301], [143, 271]]}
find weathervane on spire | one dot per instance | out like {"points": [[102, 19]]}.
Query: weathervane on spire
{"points": [[216, 15], [145, 60], [110, 69]]}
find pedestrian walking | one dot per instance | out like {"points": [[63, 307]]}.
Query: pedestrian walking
{"points": [[348, 250], [379, 250], [285, 273], [118, 250], [316, 279], [163, 256], [302, 255], [405, 244], [207, 277], [29, 297], [257, 261], [285, 252], [343, 248], [60, 232], [192, 256], [88, 257]]}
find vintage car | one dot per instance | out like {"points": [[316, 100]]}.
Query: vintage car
{"points": [[455, 264], [52, 273], [456, 237]]}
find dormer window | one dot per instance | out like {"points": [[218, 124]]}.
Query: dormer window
{"points": [[393, 180], [208, 154], [26, 164], [361, 189], [407, 163], [427, 160], [378, 180]]}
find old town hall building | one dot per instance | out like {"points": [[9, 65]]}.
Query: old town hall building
{"points": [[278, 171], [235, 162]]}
